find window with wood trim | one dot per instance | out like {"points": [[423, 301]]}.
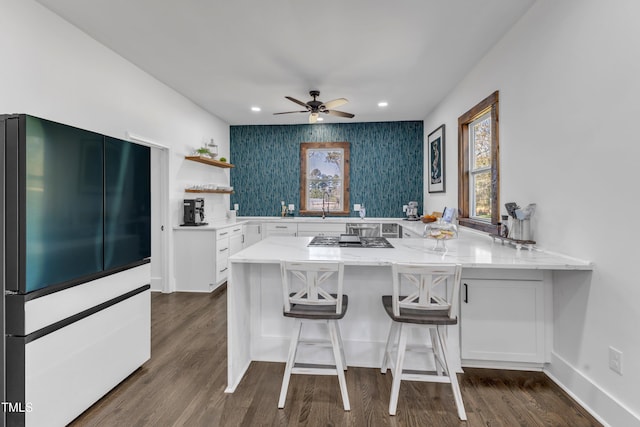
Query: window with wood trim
{"points": [[324, 178], [478, 166]]}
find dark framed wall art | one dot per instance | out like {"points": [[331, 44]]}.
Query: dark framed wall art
{"points": [[435, 144]]}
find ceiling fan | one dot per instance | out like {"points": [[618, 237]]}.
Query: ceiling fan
{"points": [[316, 107]]}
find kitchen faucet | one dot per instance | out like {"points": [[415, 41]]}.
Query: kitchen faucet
{"points": [[325, 195]]}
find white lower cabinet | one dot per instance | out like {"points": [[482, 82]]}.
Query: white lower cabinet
{"points": [[280, 229], [318, 229], [408, 233], [228, 242], [504, 320], [252, 234], [236, 242], [202, 257], [195, 260]]}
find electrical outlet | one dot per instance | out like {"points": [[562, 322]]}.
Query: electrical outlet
{"points": [[356, 207], [615, 360]]}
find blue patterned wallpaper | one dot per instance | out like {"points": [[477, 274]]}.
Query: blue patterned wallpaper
{"points": [[386, 164]]}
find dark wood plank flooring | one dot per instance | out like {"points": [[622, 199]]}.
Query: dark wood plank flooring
{"points": [[183, 385]]}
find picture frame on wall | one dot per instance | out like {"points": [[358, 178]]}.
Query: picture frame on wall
{"points": [[435, 167]]}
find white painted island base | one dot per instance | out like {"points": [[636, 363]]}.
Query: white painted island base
{"points": [[258, 331]]}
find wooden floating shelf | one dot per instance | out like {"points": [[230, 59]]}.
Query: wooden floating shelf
{"points": [[210, 162], [208, 191]]}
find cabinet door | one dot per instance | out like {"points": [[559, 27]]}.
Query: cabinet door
{"points": [[194, 260], [235, 243], [502, 320], [252, 234]]}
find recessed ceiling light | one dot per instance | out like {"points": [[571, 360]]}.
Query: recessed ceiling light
{"points": [[320, 119], [383, 104], [256, 109]]}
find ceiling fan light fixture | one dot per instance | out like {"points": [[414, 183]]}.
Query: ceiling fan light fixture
{"points": [[315, 107]]}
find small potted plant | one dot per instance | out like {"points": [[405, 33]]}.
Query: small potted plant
{"points": [[203, 152]]}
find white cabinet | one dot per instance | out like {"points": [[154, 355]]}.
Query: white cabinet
{"points": [[408, 233], [195, 260], [228, 242], [504, 320], [320, 229], [280, 229], [252, 234], [202, 257], [236, 242]]}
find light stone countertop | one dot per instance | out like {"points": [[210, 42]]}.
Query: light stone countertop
{"points": [[317, 219], [471, 250], [212, 226], [222, 223]]}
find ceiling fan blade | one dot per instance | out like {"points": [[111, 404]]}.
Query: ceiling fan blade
{"points": [[313, 117], [289, 112], [335, 103], [340, 113], [296, 101]]}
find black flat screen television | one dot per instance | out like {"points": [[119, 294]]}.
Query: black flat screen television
{"points": [[78, 204]]}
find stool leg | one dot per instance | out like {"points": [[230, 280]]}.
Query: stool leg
{"points": [[293, 347], [397, 371], [391, 339], [457, 394], [339, 367], [437, 353], [344, 359]]}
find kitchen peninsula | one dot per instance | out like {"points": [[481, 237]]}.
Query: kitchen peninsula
{"points": [[505, 313]]}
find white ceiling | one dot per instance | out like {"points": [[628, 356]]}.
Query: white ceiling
{"points": [[228, 56]]}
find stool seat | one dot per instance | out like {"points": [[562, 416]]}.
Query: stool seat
{"points": [[421, 317], [318, 312]]}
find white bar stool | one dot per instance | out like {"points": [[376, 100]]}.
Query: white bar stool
{"points": [[311, 303], [421, 299]]}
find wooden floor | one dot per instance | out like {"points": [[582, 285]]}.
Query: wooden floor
{"points": [[183, 385]]}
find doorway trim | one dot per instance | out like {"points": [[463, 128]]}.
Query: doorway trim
{"points": [[164, 234]]}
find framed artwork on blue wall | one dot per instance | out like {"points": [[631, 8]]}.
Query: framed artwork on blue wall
{"points": [[324, 178], [435, 143]]}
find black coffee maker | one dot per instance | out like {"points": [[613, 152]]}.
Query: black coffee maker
{"points": [[193, 212]]}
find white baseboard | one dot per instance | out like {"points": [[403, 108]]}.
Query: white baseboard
{"points": [[599, 403]]}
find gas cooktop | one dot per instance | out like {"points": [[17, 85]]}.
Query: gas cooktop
{"points": [[362, 242]]}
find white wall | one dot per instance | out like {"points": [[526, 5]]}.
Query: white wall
{"points": [[568, 73], [52, 70]]}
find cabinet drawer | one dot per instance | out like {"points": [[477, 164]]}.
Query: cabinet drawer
{"points": [[409, 234], [318, 229], [222, 248], [222, 267], [310, 230], [225, 233], [281, 229]]}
